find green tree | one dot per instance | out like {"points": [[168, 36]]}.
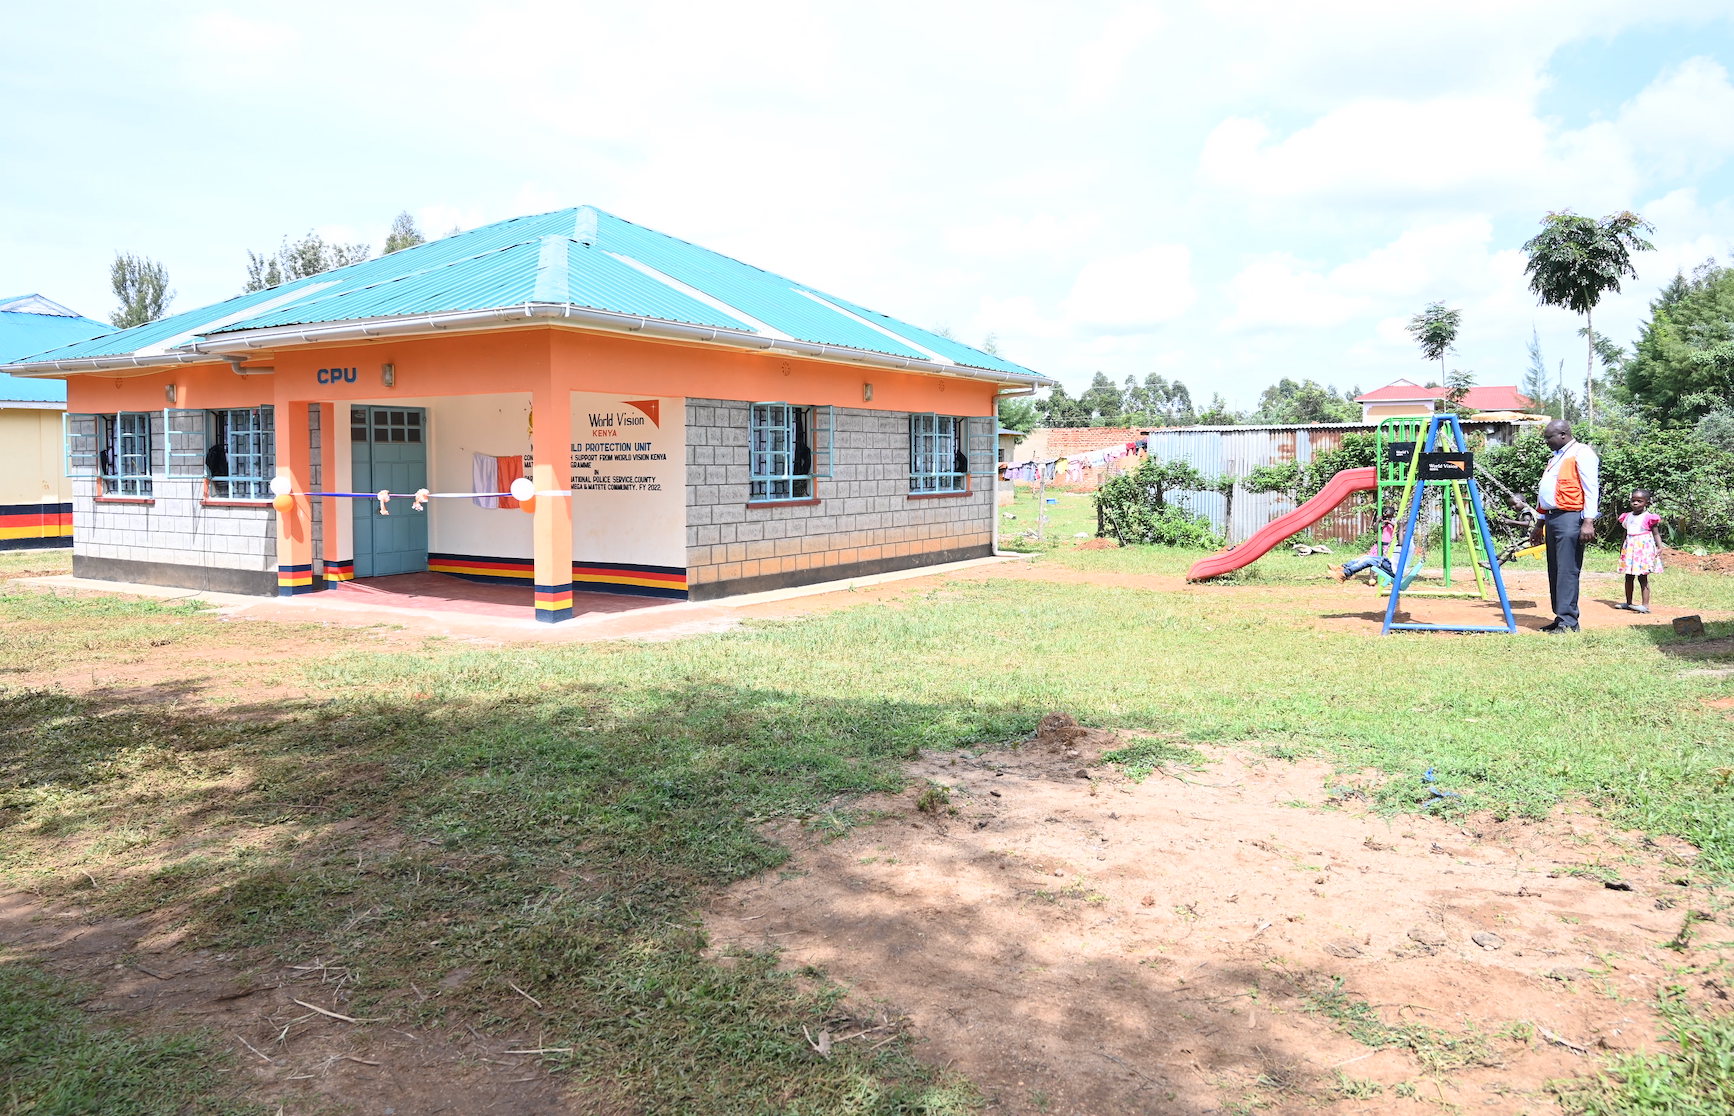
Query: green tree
{"points": [[1166, 402], [1546, 389], [311, 255], [404, 234], [1134, 507], [1017, 414], [1716, 428], [1219, 413], [1535, 384], [1059, 409], [1457, 384], [1674, 375], [1291, 402], [142, 286], [1574, 260], [1435, 330], [1103, 401]]}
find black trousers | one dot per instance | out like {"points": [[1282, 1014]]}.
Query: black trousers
{"points": [[1564, 563]]}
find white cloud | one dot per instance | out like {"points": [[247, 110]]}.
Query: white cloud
{"points": [[1278, 292], [1479, 150], [1382, 151], [1021, 236], [1683, 123], [1101, 63], [1134, 291]]}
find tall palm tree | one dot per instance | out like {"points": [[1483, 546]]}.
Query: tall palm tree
{"points": [[1574, 260]]}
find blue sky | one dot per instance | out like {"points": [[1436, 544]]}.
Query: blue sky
{"points": [[1225, 194]]}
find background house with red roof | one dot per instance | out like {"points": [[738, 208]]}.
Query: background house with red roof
{"points": [[1405, 397]]}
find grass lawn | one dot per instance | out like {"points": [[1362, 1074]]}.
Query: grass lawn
{"points": [[53, 1060], [551, 816]]}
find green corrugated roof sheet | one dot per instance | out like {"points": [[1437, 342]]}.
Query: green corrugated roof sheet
{"points": [[581, 257]]}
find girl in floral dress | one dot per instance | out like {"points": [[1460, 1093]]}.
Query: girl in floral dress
{"points": [[1642, 555]]}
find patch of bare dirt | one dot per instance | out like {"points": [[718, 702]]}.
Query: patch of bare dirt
{"points": [[1076, 942], [1527, 590], [299, 1041], [1699, 563]]}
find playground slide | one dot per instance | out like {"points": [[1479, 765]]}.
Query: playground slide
{"points": [[1340, 488]]}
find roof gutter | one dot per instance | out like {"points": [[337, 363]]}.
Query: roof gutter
{"points": [[229, 346], [110, 364]]}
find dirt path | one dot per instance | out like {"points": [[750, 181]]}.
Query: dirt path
{"points": [[1075, 942], [269, 1016]]}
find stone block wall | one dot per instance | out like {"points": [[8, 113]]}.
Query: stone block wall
{"points": [[863, 522], [174, 538]]}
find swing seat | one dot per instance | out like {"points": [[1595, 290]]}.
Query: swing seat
{"points": [[1409, 574]]}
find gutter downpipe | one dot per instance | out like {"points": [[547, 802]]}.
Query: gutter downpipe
{"points": [[1003, 393]]}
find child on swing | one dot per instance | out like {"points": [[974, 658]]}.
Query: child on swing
{"points": [[1641, 555], [1373, 559]]}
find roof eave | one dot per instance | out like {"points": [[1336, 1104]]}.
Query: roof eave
{"points": [[121, 364], [584, 318]]}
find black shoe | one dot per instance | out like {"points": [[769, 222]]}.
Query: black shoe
{"points": [[1553, 627], [1556, 628]]}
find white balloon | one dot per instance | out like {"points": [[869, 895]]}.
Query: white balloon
{"points": [[282, 486], [523, 489]]}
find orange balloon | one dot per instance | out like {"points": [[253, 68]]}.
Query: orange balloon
{"points": [[283, 503], [527, 505]]}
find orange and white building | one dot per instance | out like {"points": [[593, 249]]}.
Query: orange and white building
{"points": [[680, 425]]}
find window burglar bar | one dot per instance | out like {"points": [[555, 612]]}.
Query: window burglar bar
{"points": [[938, 458], [248, 437], [787, 447], [126, 454], [233, 448]]}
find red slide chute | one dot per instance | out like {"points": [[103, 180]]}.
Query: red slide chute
{"points": [[1341, 487]]}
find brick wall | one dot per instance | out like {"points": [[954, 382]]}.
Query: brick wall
{"points": [[1048, 442], [174, 539], [864, 521], [173, 528]]}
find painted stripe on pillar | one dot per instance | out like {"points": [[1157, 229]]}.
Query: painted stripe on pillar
{"points": [[554, 603], [294, 580], [340, 571]]}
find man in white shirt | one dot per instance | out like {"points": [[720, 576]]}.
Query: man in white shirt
{"points": [[1569, 501]]}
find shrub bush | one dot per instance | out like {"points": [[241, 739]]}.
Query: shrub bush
{"points": [[1689, 477], [1134, 507]]}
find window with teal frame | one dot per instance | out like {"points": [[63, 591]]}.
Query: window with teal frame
{"points": [[788, 447], [125, 461], [233, 448], [248, 437], [938, 454]]}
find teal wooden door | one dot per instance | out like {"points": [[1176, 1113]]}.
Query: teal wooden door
{"points": [[388, 449]]}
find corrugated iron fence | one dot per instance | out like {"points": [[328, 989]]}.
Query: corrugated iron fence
{"points": [[1234, 451]]}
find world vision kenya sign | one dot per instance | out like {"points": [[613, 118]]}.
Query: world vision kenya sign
{"points": [[625, 449]]}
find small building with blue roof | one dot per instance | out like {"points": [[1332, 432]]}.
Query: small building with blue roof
{"points": [[35, 496], [569, 402]]}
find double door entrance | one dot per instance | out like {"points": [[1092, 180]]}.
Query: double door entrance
{"points": [[388, 450]]}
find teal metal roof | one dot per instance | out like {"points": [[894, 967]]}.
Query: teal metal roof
{"points": [[581, 257], [30, 324]]}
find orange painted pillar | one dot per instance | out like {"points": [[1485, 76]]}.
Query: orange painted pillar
{"points": [[294, 525], [337, 542], [551, 445]]}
